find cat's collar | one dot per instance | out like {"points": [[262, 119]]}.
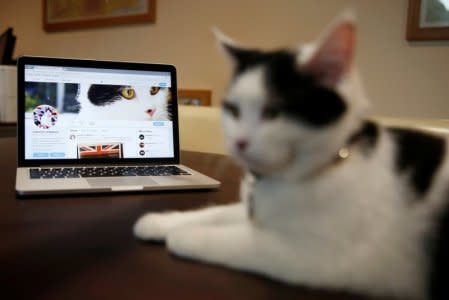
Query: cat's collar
{"points": [[363, 140], [342, 155]]}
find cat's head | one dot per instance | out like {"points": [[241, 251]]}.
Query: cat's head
{"points": [[121, 102], [290, 105]]}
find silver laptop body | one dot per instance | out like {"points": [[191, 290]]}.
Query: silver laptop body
{"points": [[95, 126]]}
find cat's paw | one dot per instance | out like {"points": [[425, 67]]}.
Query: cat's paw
{"points": [[153, 226], [187, 242]]}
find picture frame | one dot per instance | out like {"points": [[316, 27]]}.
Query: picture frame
{"points": [[428, 20], [62, 15], [194, 97]]}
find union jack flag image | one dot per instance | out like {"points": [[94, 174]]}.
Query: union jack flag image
{"points": [[100, 151]]}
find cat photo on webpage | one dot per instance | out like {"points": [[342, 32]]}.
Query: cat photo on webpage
{"points": [[122, 102], [330, 199]]}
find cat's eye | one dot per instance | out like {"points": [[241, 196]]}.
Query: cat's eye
{"points": [[128, 93], [154, 90], [231, 108], [269, 113]]}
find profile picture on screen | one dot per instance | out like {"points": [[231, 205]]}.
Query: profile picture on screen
{"points": [[45, 116]]}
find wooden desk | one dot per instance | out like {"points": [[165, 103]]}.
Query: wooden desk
{"points": [[8, 129], [82, 247]]}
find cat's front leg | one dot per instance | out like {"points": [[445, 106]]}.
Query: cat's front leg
{"points": [[155, 226], [239, 246]]}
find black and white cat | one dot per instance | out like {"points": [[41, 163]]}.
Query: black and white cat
{"points": [[330, 199], [120, 102]]}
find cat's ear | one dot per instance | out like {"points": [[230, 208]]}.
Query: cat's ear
{"points": [[334, 52], [236, 54]]}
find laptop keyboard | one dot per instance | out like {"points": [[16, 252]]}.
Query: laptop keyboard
{"points": [[46, 173]]}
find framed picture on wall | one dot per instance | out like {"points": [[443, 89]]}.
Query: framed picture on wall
{"points": [[194, 97], [428, 20], [78, 14]]}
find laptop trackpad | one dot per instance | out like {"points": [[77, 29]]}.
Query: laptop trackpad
{"points": [[122, 181]]}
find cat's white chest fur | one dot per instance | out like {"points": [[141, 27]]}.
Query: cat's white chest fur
{"points": [[335, 226]]}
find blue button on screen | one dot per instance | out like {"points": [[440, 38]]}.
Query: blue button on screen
{"points": [[57, 154]]}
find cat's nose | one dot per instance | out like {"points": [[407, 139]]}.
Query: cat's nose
{"points": [[151, 111], [241, 145]]}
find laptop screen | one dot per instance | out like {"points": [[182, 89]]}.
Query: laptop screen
{"points": [[97, 113]]}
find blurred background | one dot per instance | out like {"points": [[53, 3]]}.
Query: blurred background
{"points": [[405, 79]]}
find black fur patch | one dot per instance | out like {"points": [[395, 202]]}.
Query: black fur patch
{"points": [[420, 154], [367, 136], [102, 94], [295, 94], [246, 58], [439, 256]]}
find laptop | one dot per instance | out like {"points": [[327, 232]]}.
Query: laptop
{"points": [[89, 126]]}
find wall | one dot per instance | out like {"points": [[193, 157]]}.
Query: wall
{"points": [[402, 79]]}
